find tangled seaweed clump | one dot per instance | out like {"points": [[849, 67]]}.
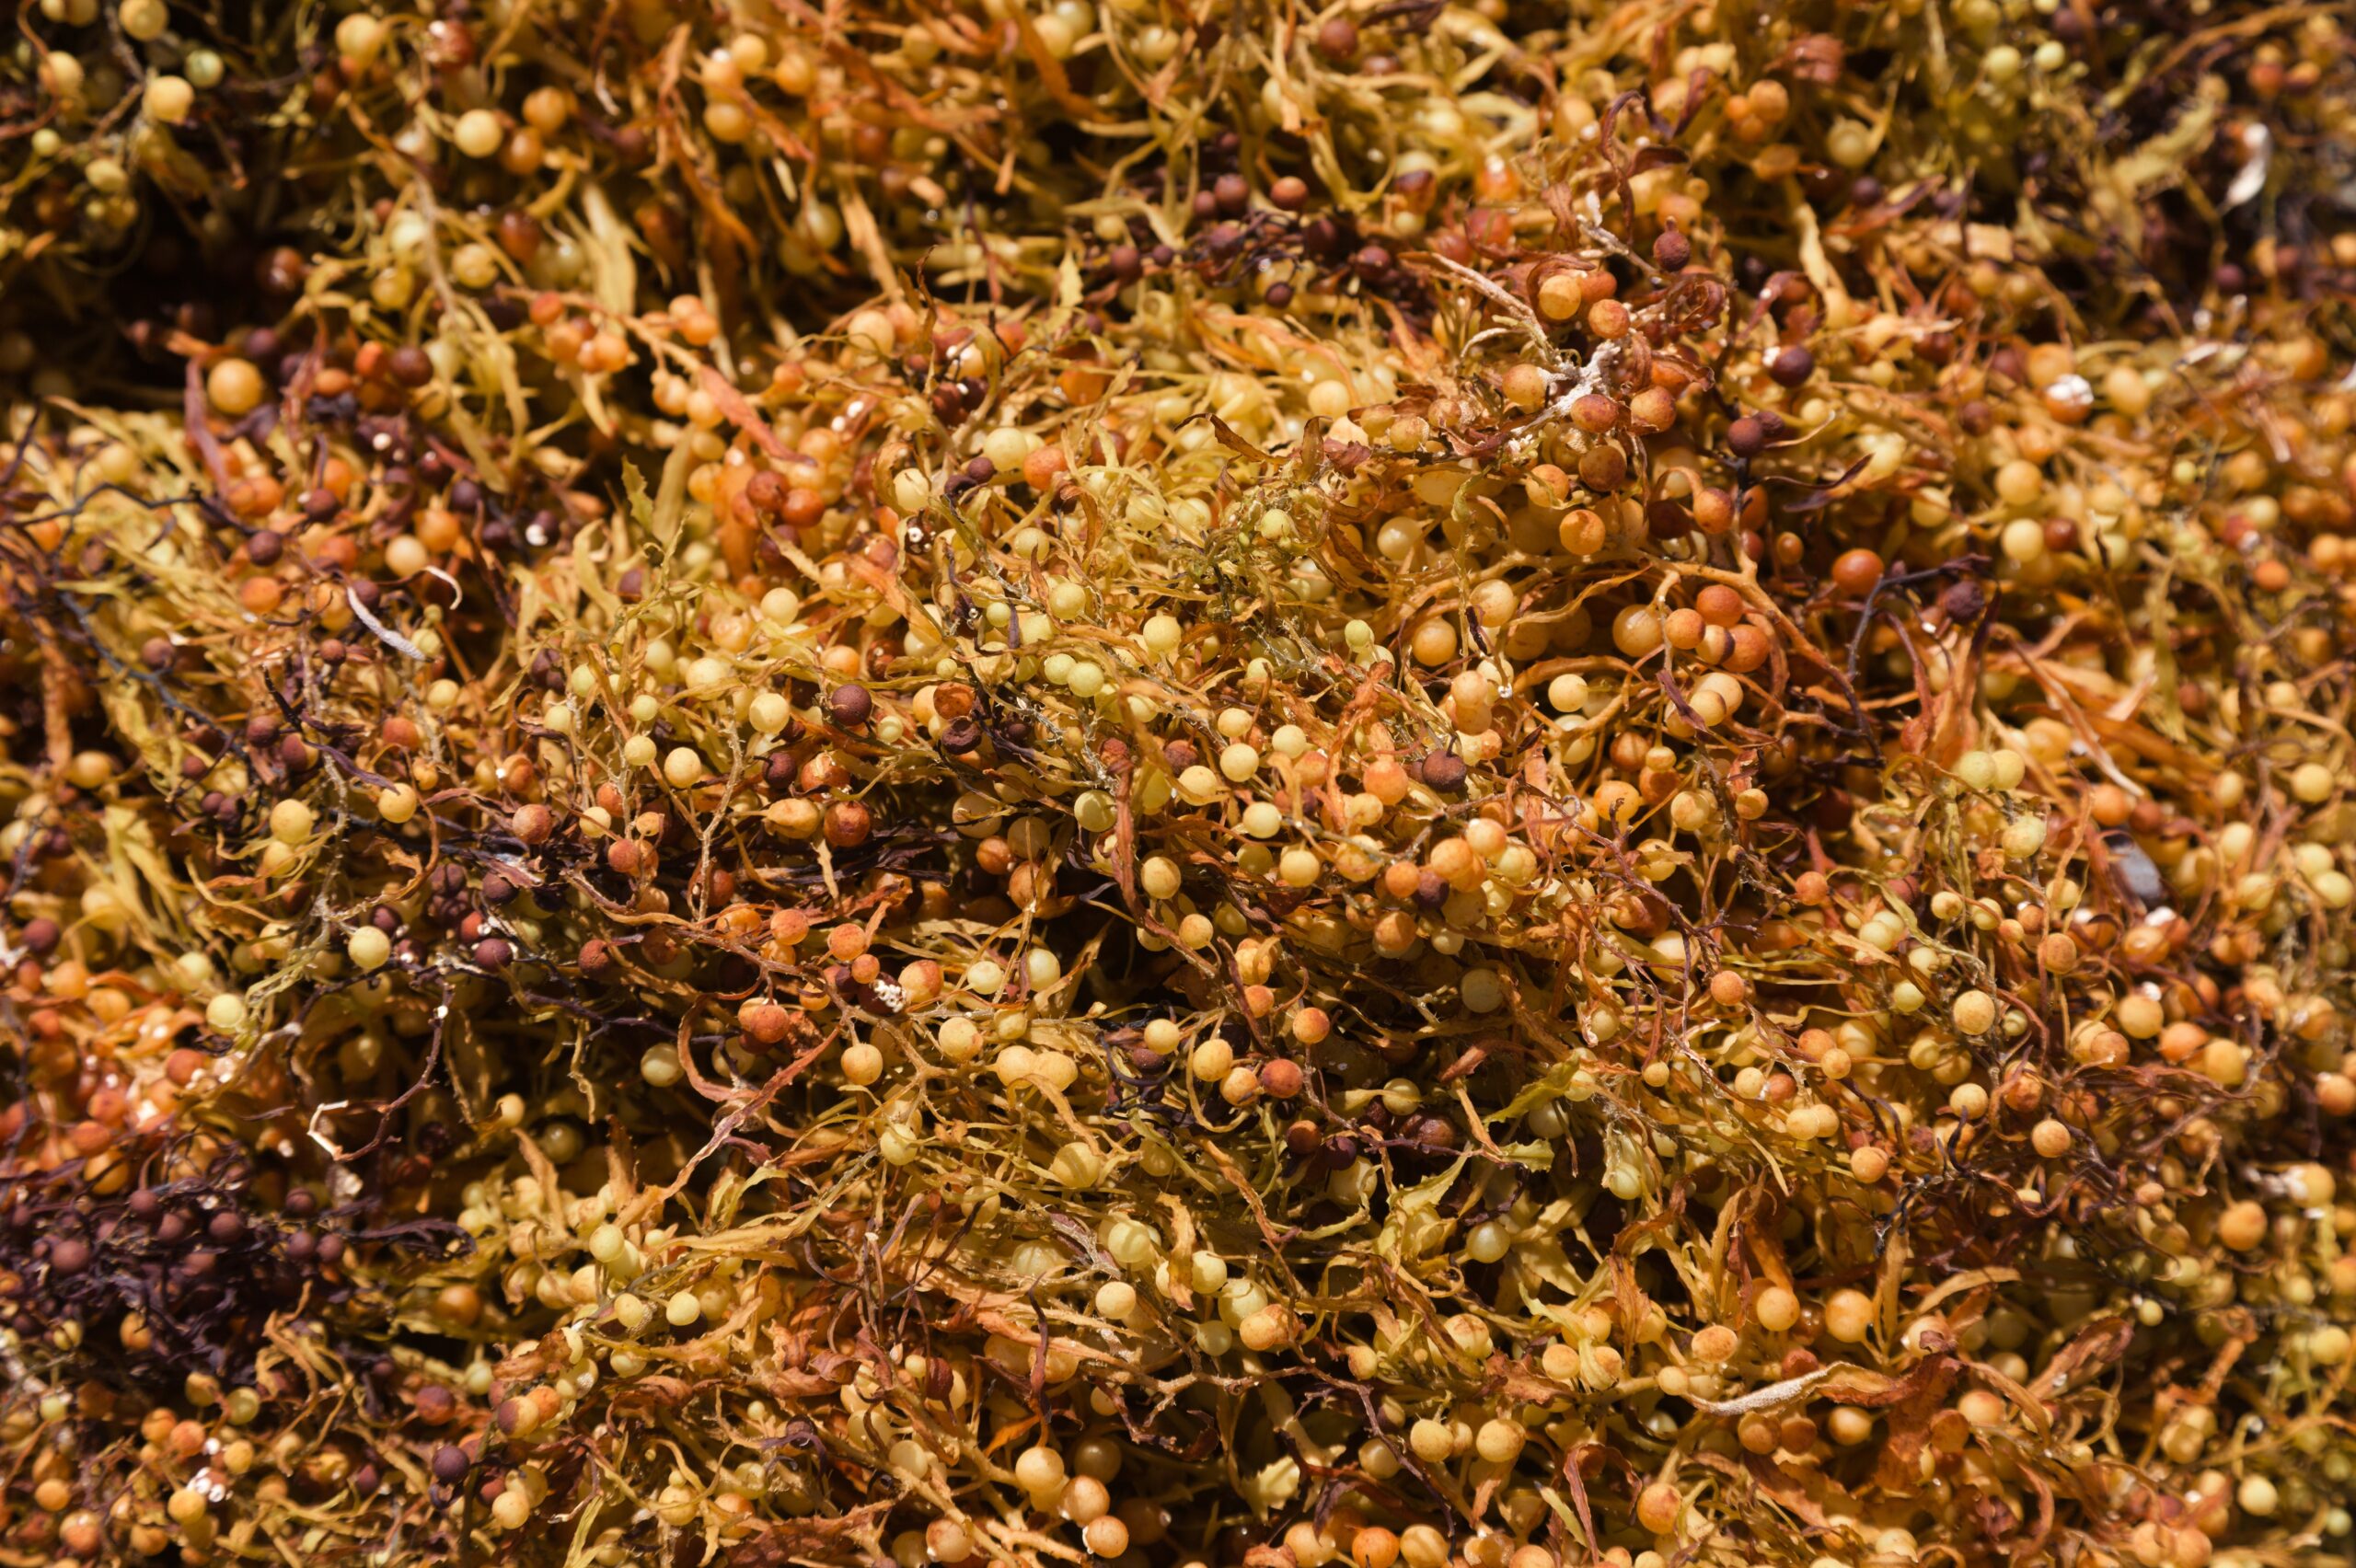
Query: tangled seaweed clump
{"points": [[1415, 784]]}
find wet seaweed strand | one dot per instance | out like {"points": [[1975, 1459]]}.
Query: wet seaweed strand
{"points": [[987, 785]]}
